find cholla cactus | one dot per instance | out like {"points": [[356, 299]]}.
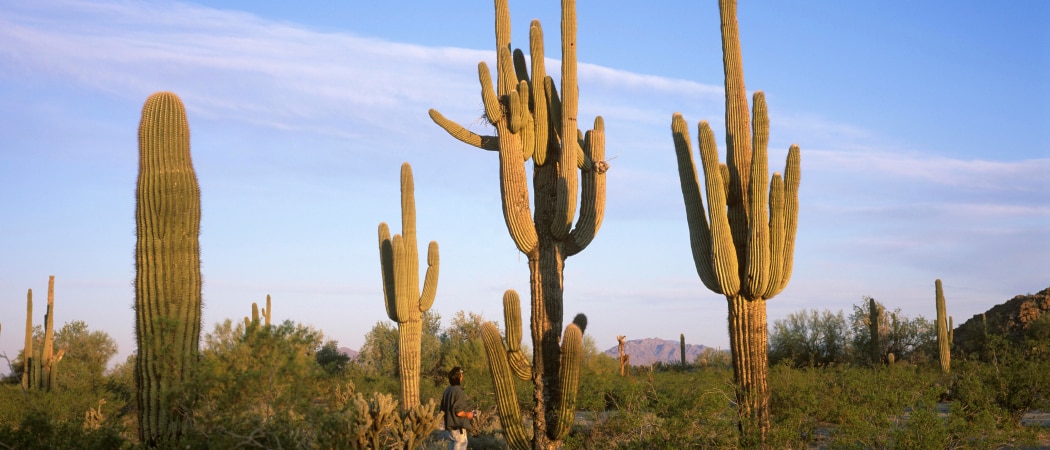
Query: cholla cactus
{"points": [[743, 246], [404, 302]]}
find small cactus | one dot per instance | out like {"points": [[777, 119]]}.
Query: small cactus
{"points": [[874, 314], [945, 333], [256, 314], [682, 338]]}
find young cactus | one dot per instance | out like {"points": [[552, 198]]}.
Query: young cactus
{"points": [[404, 303], [167, 271], [533, 123], [945, 332], [743, 246]]}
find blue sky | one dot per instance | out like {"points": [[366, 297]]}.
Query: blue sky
{"points": [[923, 127]]}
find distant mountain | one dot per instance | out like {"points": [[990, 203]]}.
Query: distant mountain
{"points": [[651, 350], [349, 352], [1012, 318]]}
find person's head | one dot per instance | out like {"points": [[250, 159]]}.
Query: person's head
{"points": [[455, 376]]}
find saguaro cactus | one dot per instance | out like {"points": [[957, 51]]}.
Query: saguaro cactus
{"points": [[532, 122], [404, 303], [875, 346], [743, 246], [266, 313], [682, 338], [167, 271], [40, 368], [945, 331]]}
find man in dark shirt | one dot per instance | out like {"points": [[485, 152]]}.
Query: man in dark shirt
{"points": [[454, 407]]}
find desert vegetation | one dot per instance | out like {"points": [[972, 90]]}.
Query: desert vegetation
{"points": [[871, 379]]}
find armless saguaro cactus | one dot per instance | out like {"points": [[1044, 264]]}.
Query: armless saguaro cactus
{"points": [[167, 271], [875, 346], [404, 303], [532, 122], [945, 331], [682, 338], [743, 246]]}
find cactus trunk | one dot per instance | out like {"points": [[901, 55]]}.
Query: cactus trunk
{"points": [[743, 245], [874, 314], [944, 330], [533, 122], [399, 261], [167, 271]]}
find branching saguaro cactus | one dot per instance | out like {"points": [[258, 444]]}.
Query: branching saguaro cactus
{"points": [[743, 246], [624, 358], [532, 122], [945, 330], [404, 303], [167, 271], [40, 369], [266, 313]]}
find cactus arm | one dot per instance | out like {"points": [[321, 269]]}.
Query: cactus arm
{"points": [[567, 185], [464, 135], [777, 221], [592, 200], [255, 313], [699, 230], [723, 253], [386, 260], [430, 280], [503, 382], [267, 313], [569, 373], [519, 364], [792, 177], [539, 93], [758, 261]]}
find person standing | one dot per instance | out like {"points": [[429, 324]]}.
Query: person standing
{"points": [[454, 407]]}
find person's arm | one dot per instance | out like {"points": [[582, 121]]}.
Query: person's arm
{"points": [[465, 414]]}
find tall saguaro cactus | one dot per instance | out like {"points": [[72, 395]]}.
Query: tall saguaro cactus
{"points": [[532, 122], [945, 331], [404, 303], [40, 368], [743, 246], [167, 271], [875, 346]]}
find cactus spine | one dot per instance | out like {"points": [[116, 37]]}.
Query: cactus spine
{"points": [[532, 122], [744, 246], [167, 271], [404, 303], [945, 333]]}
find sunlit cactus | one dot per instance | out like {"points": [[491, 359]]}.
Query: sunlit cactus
{"points": [[533, 123], [40, 369], [682, 338], [945, 333], [743, 245], [256, 315], [167, 271], [404, 302]]}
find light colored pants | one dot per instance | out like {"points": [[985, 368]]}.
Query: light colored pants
{"points": [[457, 439]]}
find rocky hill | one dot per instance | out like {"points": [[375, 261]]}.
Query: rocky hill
{"points": [[349, 352], [651, 350], [1012, 318]]}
